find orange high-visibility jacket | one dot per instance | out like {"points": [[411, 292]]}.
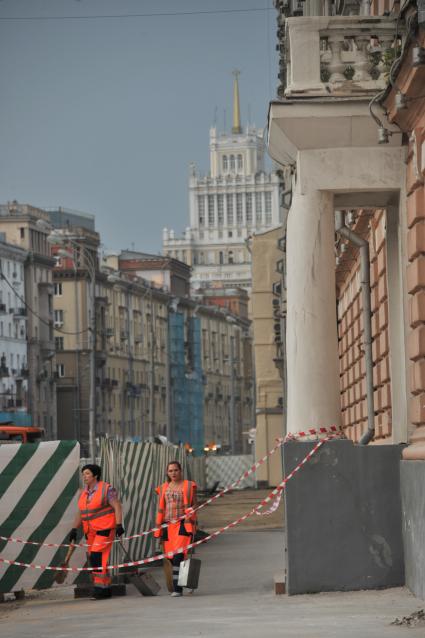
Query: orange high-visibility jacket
{"points": [[188, 494], [97, 514]]}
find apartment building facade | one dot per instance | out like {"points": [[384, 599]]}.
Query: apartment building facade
{"points": [[13, 336], [19, 224], [349, 121]]}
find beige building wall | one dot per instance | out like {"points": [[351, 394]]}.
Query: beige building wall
{"points": [[269, 384], [131, 355], [226, 347]]}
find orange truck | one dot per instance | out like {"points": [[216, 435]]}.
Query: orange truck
{"points": [[10, 433]]}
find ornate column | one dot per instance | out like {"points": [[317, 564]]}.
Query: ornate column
{"points": [[312, 344]]}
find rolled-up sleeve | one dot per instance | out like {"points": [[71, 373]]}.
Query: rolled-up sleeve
{"points": [[112, 495]]}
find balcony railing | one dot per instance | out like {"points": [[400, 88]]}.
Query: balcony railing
{"points": [[20, 313], [338, 56]]}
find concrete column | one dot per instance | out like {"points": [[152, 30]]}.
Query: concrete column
{"points": [[312, 345]]}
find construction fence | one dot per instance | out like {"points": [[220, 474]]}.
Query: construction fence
{"points": [[39, 486]]}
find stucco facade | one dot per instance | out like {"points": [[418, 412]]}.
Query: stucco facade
{"points": [[267, 310]]}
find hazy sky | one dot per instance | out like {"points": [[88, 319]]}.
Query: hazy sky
{"points": [[105, 115]]}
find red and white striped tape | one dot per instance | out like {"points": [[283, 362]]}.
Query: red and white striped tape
{"points": [[247, 473], [333, 430], [146, 561], [273, 508]]}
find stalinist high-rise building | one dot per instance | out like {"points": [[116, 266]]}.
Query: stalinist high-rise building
{"points": [[236, 199]]}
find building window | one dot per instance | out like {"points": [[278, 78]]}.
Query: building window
{"points": [[220, 210], [59, 343], [239, 209], [258, 209], [249, 208], [201, 257], [221, 257], [22, 232], [58, 289], [225, 163], [60, 370], [230, 257], [58, 315], [201, 210], [268, 208], [211, 210], [230, 210], [230, 233], [240, 162], [232, 162]]}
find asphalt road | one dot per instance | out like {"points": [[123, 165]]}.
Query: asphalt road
{"points": [[235, 598]]}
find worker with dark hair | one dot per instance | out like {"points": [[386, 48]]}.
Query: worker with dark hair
{"points": [[177, 499], [100, 514]]}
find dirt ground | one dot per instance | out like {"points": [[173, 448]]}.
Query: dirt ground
{"points": [[231, 506]]}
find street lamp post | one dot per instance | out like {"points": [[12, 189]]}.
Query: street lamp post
{"points": [[62, 238], [152, 372], [232, 360]]}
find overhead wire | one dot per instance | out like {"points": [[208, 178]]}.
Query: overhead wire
{"points": [[33, 312], [121, 16]]}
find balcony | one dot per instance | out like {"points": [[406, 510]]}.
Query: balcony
{"points": [[339, 56], [20, 313], [133, 389], [330, 69], [109, 384]]}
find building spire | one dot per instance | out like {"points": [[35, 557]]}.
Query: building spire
{"points": [[236, 128]]}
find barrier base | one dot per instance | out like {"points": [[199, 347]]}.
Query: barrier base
{"points": [[86, 591], [343, 517]]}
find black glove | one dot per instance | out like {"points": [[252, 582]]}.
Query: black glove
{"points": [[119, 530], [73, 535]]}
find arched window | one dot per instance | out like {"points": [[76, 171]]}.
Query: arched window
{"points": [[225, 163], [232, 162], [221, 257], [230, 257], [240, 162]]}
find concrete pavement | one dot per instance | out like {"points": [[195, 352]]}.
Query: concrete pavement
{"points": [[235, 598]]}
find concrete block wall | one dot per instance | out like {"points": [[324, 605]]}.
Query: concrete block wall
{"points": [[343, 518], [350, 333]]}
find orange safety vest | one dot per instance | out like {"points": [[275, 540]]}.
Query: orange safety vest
{"points": [[98, 514], [188, 494]]}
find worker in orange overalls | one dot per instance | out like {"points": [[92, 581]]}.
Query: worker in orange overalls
{"points": [[100, 513], [177, 497]]}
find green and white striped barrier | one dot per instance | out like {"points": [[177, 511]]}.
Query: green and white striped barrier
{"points": [[38, 497], [135, 469]]}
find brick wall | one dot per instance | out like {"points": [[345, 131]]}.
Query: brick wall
{"points": [[371, 226], [416, 274]]}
